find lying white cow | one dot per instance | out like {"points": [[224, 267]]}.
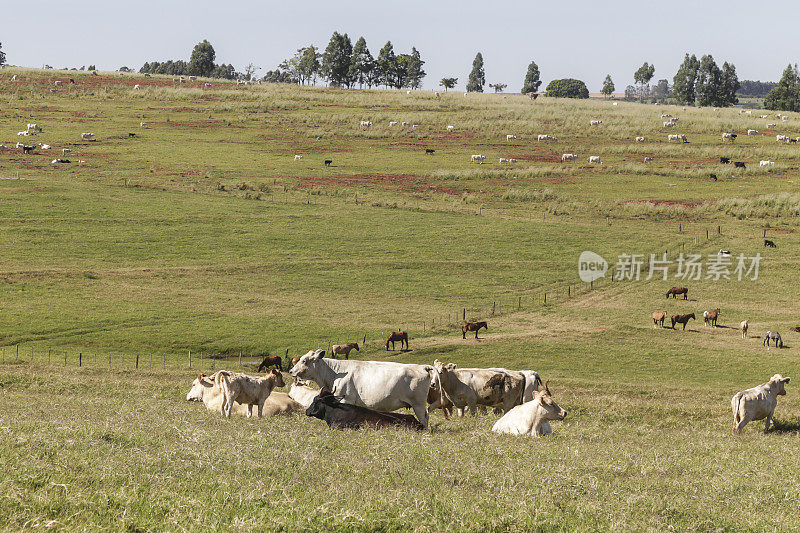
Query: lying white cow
{"points": [[595, 159], [669, 124], [546, 138], [639, 139], [770, 126], [66, 151], [757, 403], [380, 385], [393, 123], [531, 418], [512, 160], [450, 128], [766, 163], [300, 392], [568, 157], [404, 123], [752, 132], [34, 127], [648, 159], [87, 136], [366, 123], [511, 137], [136, 87], [206, 391], [249, 390], [503, 160], [595, 122]]}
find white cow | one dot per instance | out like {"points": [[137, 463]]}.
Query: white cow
{"points": [[415, 125], [766, 163], [404, 123], [752, 132], [679, 137], [479, 158], [298, 157], [512, 160], [757, 403], [249, 390], [781, 139], [300, 392], [206, 85], [473, 387], [595, 159], [136, 87], [639, 139], [33, 128], [381, 385], [648, 159], [510, 137], [669, 124], [366, 123], [673, 119], [393, 123], [450, 128], [595, 122], [143, 124], [206, 391], [728, 137], [23, 133], [503, 160], [57, 83], [66, 151], [666, 115], [764, 116], [568, 157], [531, 418], [87, 136], [769, 126], [615, 104], [14, 77], [44, 146]]}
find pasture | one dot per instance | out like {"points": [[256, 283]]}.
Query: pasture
{"points": [[203, 233]]}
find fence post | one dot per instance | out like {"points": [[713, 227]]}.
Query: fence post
{"points": [[177, 360], [190, 359], [80, 359], [706, 234], [240, 359], [65, 358], [569, 291], [137, 361], [719, 230], [519, 303], [165, 360], [109, 360], [464, 314], [365, 341], [591, 284], [680, 227], [4, 355], [493, 307], [16, 359], [545, 298], [201, 360]]}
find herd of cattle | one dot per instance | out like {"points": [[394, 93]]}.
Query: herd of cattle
{"points": [[354, 394]]}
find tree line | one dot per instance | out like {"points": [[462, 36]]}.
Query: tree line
{"points": [[201, 63]]}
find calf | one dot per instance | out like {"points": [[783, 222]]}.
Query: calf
{"points": [[531, 418], [249, 390], [340, 415], [205, 390], [271, 360], [757, 403]]}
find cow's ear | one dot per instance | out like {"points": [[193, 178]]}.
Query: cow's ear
{"points": [[786, 380], [450, 366], [319, 354]]}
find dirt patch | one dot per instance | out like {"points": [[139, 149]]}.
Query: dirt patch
{"points": [[405, 182], [540, 158], [658, 203]]}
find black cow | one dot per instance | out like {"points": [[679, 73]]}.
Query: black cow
{"points": [[739, 164], [429, 151], [769, 243], [713, 177], [27, 149], [131, 135], [725, 160], [340, 415]]}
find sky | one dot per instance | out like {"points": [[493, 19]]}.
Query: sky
{"points": [[584, 39]]}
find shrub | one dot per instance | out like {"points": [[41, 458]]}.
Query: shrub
{"points": [[567, 88]]}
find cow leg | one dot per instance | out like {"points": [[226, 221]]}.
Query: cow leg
{"points": [[260, 408], [249, 410], [422, 414], [473, 408], [767, 422], [476, 333]]}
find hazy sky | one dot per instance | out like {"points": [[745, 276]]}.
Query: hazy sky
{"points": [[585, 39]]}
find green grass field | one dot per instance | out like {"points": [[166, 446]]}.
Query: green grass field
{"points": [[204, 234]]}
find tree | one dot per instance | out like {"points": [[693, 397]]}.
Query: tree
{"points": [[477, 78], [385, 65], [567, 88], [730, 85], [400, 75], [498, 87], [336, 60], [683, 84], [415, 72], [249, 70], [201, 63], [532, 81], [125, 69], [92, 67], [2, 55], [786, 94], [362, 63], [643, 76], [608, 86], [709, 81], [756, 89], [308, 65], [661, 90], [448, 83]]}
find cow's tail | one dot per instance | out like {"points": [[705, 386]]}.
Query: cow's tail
{"points": [[221, 380], [735, 405]]}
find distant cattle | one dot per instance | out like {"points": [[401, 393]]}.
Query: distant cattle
{"points": [[28, 149], [648, 159], [328, 162], [87, 136], [595, 159], [568, 157], [639, 139], [752, 132], [766, 163], [339, 415], [366, 123], [298, 157], [595, 122], [769, 243], [729, 137], [546, 138], [511, 137], [757, 403], [725, 160], [739, 164], [675, 291], [477, 158], [429, 151]]}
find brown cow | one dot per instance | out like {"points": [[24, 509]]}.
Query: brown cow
{"points": [[675, 291], [397, 336], [658, 318], [472, 326], [271, 360], [681, 319]]}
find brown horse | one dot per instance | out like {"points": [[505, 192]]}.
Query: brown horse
{"points": [[710, 317], [271, 360], [396, 336], [472, 326], [675, 291], [343, 349], [682, 319], [658, 318]]}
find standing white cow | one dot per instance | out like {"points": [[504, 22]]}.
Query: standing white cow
{"points": [[757, 403], [568, 157], [531, 418], [205, 390], [248, 390], [595, 159], [595, 122], [380, 385], [511, 138], [87, 136]]}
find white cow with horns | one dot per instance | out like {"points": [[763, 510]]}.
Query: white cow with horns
{"points": [[380, 385]]}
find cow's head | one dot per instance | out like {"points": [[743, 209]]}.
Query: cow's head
{"points": [[550, 409], [199, 385], [779, 382], [277, 377], [317, 408], [306, 363], [442, 368]]}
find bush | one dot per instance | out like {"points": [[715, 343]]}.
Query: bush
{"points": [[567, 88]]}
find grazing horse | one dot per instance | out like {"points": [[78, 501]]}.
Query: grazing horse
{"points": [[769, 243], [271, 360], [658, 318], [743, 326], [675, 291], [710, 317], [343, 349], [472, 326], [775, 336], [395, 336], [682, 319]]}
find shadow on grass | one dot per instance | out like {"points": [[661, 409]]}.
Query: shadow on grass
{"points": [[791, 425]]}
